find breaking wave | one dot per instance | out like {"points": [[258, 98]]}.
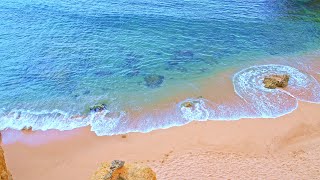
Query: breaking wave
{"points": [[256, 102]]}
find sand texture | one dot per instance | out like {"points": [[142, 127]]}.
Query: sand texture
{"points": [[283, 148]]}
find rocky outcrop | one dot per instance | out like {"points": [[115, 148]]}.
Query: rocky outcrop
{"points": [[4, 173], [115, 165], [118, 170], [274, 81]]}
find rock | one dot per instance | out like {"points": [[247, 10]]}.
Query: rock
{"points": [[4, 173], [191, 103], [132, 60], [117, 170], [27, 128], [274, 81], [153, 81], [123, 136], [98, 108], [187, 104], [179, 59], [116, 164]]}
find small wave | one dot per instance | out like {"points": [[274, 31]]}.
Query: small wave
{"points": [[42, 120], [198, 111], [248, 84], [106, 123], [256, 102], [101, 122]]}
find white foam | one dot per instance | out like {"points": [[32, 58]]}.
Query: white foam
{"points": [[199, 111], [301, 86], [257, 102]]}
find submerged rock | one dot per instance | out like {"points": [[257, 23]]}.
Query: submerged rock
{"points": [[179, 59], [4, 173], [153, 81], [274, 81], [98, 108], [132, 60], [118, 170]]}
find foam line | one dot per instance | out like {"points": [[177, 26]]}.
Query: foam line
{"points": [[257, 102]]}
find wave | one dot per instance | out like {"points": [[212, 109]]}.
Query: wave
{"points": [[256, 102], [56, 119]]}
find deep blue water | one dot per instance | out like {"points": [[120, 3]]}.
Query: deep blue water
{"points": [[59, 57]]}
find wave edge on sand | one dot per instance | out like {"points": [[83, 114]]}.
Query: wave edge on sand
{"points": [[257, 102]]}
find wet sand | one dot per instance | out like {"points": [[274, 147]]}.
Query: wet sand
{"points": [[286, 147]]}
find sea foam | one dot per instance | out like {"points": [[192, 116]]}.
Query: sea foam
{"points": [[256, 102]]}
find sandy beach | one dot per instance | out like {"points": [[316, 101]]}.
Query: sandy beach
{"points": [[282, 148]]}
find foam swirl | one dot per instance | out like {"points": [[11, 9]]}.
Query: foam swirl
{"points": [[258, 101], [248, 84], [199, 111]]}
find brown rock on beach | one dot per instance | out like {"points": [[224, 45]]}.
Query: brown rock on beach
{"points": [[27, 128], [187, 104], [4, 173], [274, 81], [117, 170]]}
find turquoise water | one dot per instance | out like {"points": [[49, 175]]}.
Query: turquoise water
{"points": [[59, 57]]}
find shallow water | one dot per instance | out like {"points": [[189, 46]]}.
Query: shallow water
{"points": [[60, 57]]}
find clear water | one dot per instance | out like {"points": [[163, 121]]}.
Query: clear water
{"points": [[59, 57]]}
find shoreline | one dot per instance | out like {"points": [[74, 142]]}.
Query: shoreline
{"points": [[224, 94], [78, 153], [216, 87]]}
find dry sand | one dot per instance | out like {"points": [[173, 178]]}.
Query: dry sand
{"points": [[283, 148]]}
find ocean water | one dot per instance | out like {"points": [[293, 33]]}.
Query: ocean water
{"points": [[57, 58]]}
